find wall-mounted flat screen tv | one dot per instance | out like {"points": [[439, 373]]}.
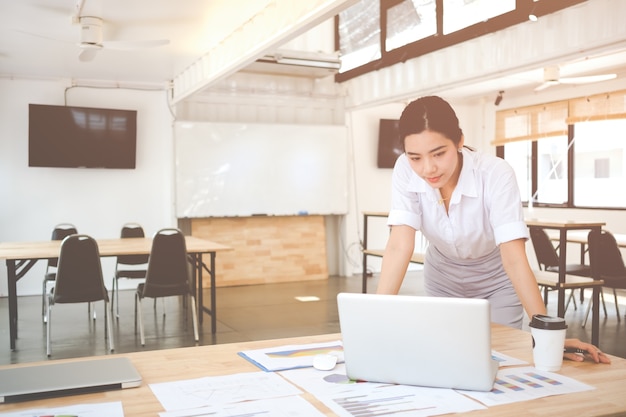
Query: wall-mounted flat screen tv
{"points": [[81, 137], [389, 144]]}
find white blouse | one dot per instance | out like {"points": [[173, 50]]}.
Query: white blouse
{"points": [[485, 208]]}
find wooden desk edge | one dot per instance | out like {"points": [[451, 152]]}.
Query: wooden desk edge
{"points": [[571, 224], [551, 279], [417, 257], [376, 213]]}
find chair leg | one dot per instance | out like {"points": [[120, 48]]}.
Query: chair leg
{"points": [[107, 327], [572, 299], [46, 307], [619, 319], [89, 311], [117, 298], [194, 318], [587, 313], [589, 308], [115, 302], [601, 298], [140, 315], [48, 327], [43, 301]]}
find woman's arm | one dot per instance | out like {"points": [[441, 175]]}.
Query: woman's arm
{"points": [[517, 268], [516, 265], [398, 252]]}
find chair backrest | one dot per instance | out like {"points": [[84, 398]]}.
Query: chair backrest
{"points": [[130, 230], [168, 269], [605, 256], [545, 251], [60, 232], [79, 274]]}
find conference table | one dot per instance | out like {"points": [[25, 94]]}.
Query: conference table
{"points": [[22, 256], [182, 364]]}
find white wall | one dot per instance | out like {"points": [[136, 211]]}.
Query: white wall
{"points": [[97, 201]]}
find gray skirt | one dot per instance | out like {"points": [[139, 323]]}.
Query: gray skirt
{"points": [[474, 278]]}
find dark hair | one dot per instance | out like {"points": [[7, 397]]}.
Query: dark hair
{"points": [[430, 113]]}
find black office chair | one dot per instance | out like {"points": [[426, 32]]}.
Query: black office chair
{"points": [[606, 258], [548, 260], [78, 280], [59, 232], [169, 274], [128, 266]]}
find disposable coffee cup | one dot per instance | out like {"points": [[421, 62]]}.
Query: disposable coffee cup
{"points": [[548, 335]]}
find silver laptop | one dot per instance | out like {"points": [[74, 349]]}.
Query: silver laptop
{"points": [[427, 341], [25, 383]]}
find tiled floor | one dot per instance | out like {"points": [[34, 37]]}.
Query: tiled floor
{"points": [[244, 313]]}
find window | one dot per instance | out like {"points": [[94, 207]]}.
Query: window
{"points": [[599, 157], [359, 34], [518, 154], [373, 34], [410, 21], [552, 170], [570, 153], [459, 14]]}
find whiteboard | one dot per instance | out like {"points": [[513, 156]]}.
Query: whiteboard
{"points": [[248, 169]]}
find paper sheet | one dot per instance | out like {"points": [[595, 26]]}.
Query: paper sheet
{"points": [[201, 392], [349, 398], [291, 356], [526, 383]]}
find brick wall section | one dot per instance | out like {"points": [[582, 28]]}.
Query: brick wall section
{"points": [[266, 249]]}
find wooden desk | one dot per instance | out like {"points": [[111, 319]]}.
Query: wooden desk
{"points": [[201, 361], [21, 256], [564, 228]]}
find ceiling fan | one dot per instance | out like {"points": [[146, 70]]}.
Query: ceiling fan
{"points": [[91, 40], [551, 76]]}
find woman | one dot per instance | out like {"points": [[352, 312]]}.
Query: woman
{"points": [[467, 205]]}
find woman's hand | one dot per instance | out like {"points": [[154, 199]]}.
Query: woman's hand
{"points": [[576, 350]]}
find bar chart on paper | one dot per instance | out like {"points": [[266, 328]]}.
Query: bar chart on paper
{"points": [[349, 398], [379, 405]]}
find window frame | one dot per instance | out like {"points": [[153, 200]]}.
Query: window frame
{"points": [[439, 41]]}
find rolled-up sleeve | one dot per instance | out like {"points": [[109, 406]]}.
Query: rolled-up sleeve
{"points": [[506, 214], [405, 207]]}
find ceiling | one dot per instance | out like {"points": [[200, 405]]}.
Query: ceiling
{"points": [[38, 39]]}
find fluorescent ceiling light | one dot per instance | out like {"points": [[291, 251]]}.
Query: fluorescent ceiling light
{"points": [[302, 59]]}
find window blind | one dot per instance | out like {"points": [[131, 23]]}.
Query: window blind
{"points": [[551, 119], [598, 107], [531, 123]]}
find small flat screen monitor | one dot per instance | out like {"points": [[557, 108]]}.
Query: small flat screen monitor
{"points": [[389, 144], [81, 137]]}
